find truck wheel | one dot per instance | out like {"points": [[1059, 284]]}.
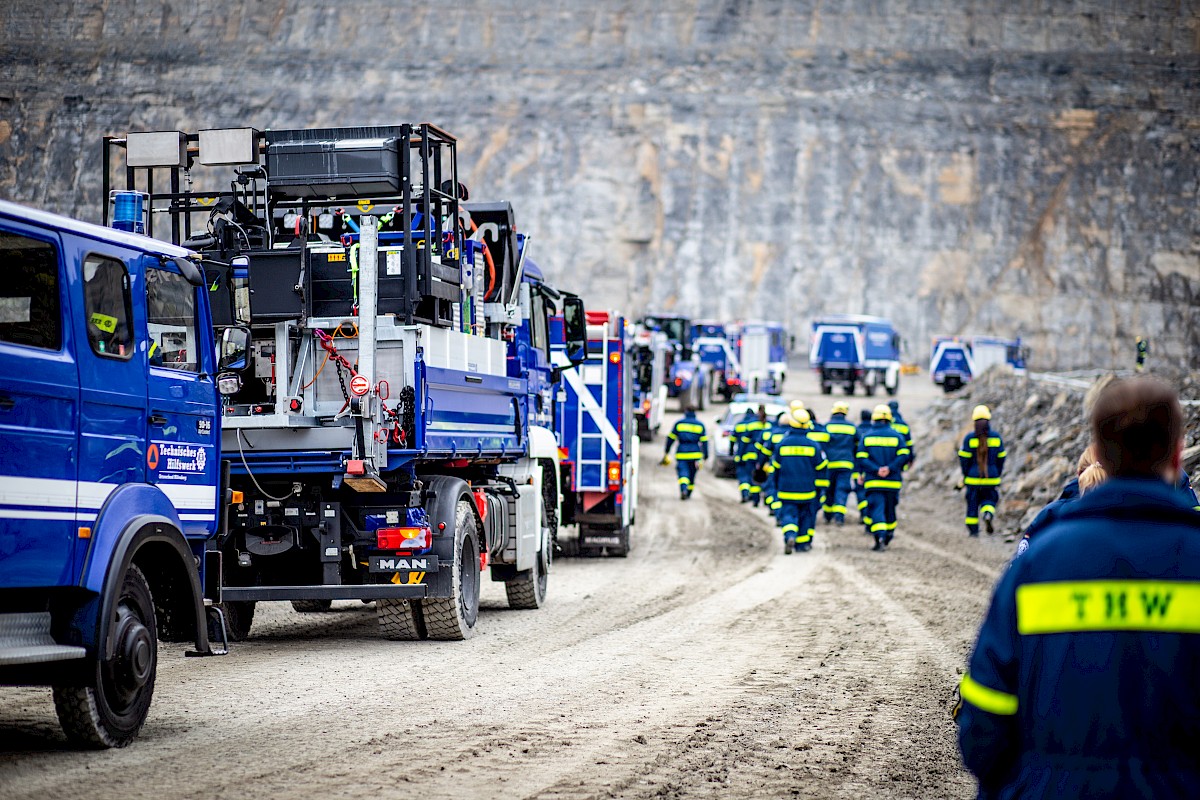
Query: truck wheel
{"points": [[110, 712], [528, 591], [311, 606], [849, 388], [239, 616], [869, 389], [400, 620], [826, 388], [454, 617]]}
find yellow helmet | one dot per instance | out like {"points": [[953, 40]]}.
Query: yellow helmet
{"points": [[981, 412], [881, 412], [799, 418], [796, 405], [841, 407]]}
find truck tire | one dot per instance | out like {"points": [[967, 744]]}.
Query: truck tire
{"points": [[849, 388], [111, 710], [869, 389], [826, 388], [454, 617], [528, 591], [400, 620], [311, 606]]}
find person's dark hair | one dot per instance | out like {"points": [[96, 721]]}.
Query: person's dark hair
{"points": [[1137, 426], [982, 431]]}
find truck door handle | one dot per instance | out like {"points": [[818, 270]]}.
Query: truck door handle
{"points": [[6, 403], [158, 420]]}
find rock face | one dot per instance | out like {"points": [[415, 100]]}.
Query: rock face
{"points": [[994, 167]]}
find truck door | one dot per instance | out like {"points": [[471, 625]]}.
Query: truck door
{"points": [[112, 408], [182, 453], [39, 409]]}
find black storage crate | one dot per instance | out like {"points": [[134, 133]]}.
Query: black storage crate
{"points": [[275, 291], [334, 168], [331, 284]]}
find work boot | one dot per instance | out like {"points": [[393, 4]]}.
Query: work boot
{"points": [[804, 548], [787, 547], [972, 532], [987, 520], [839, 520], [878, 545]]}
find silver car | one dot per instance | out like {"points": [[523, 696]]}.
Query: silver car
{"points": [[725, 442]]}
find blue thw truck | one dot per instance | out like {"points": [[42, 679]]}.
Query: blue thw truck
{"points": [[851, 350], [111, 479], [390, 413], [599, 442], [716, 346], [957, 360]]}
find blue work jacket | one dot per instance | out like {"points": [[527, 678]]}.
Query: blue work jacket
{"points": [[1083, 681], [995, 460], [692, 438], [842, 444], [882, 446], [797, 467]]}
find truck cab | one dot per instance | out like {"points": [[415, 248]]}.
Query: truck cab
{"points": [[110, 467]]}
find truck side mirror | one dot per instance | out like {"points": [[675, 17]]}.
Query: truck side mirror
{"points": [[575, 329], [235, 349]]}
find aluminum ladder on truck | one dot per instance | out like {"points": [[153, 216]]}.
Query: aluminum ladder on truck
{"points": [[593, 441]]}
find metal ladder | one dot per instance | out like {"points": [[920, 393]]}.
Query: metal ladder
{"points": [[598, 437]]}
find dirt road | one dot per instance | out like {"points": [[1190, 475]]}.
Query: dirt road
{"points": [[706, 664]]}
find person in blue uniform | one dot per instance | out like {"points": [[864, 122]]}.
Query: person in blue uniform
{"points": [[1082, 681], [981, 459], [798, 468], [692, 439], [882, 454], [770, 438], [899, 424], [860, 494], [840, 448], [746, 434]]}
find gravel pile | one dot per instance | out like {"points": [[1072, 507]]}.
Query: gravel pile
{"points": [[1045, 430]]}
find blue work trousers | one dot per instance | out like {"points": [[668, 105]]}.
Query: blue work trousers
{"points": [[745, 477], [837, 494], [980, 500], [881, 508], [797, 520], [686, 470]]}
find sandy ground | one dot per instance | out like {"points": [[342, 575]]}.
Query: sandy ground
{"points": [[706, 664]]}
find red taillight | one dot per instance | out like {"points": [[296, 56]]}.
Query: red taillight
{"points": [[679, 381], [734, 381], [646, 405], [404, 538], [614, 474]]}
